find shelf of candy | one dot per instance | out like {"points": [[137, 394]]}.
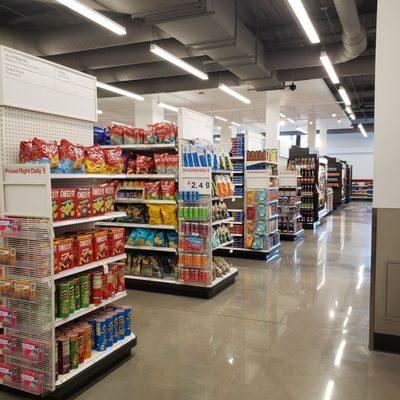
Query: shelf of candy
{"points": [[237, 215], [222, 186], [201, 153], [272, 155], [239, 191], [220, 212], [75, 251], [238, 166], [273, 210], [89, 290], [256, 232], [83, 342], [195, 215], [236, 230], [238, 180], [237, 146], [220, 267], [152, 266], [221, 236], [153, 134]]}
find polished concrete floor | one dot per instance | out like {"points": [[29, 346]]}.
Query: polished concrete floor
{"points": [[293, 328]]}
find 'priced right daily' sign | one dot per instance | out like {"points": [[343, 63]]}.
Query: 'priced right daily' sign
{"points": [[196, 179]]}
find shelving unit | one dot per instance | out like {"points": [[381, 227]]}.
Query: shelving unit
{"points": [[254, 174], [337, 180], [290, 226], [362, 189], [313, 170], [26, 202]]}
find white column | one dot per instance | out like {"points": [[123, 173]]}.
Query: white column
{"points": [[323, 135], [148, 112], [272, 118], [312, 131]]}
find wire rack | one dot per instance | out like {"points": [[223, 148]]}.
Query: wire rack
{"points": [[34, 312]]}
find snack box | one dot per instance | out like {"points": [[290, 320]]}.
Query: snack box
{"points": [[83, 202], [32, 381], [84, 248], [67, 203], [8, 344], [24, 290], [100, 245], [64, 249], [55, 204], [98, 200], [8, 317], [116, 238], [8, 373], [32, 350]]}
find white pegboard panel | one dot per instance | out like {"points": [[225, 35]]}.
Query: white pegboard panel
{"points": [[17, 125]]}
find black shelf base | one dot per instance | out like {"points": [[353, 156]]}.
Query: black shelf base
{"points": [[254, 255], [310, 225], [291, 237], [366, 199], [85, 379], [180, 289]]}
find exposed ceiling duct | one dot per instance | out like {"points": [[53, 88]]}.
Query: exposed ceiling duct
{"points": [[132, 54], [75, 38]]}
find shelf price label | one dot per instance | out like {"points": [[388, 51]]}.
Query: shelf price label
{"points": [[196, 180]]}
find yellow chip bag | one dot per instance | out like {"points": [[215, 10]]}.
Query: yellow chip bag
{"points": [[169, 214], [155, 217]]}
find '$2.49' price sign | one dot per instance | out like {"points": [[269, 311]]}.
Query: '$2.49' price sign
{"points": [[196, 180]]}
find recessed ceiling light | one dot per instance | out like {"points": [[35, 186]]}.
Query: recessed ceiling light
{"points": [[117, 90], [339, 120], [310, 122], [326, 62], [167, 106], [304, 19], [221, 119], [344, 96], [333, 115], [231, 92], [166, 55], [99, 112], [94, 16]]}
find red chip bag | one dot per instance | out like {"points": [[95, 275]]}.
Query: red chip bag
{"points": [[133, 135], [94, 160], [131, 167], [159, 161], [71, 157], [116, 134], [144, 165], [166, 132], [113, 160], [152, 190], [172, 162], [45, 152], [26, 152], [168, 190]]}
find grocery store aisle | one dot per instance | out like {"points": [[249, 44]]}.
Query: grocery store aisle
{"points": [[295, 328]]}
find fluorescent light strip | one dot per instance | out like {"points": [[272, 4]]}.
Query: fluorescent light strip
{"points": [[352, 116], [117, 90], [362, 130], [235, 123], [291, 120], [119, 123], [301, 130], [167, 106], [326, 62], [304, 19], [282, 115], [99, 112], [231, 92], [94, 16], [344, 96], [166, 55], [220, 118]]}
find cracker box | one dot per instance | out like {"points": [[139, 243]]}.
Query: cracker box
{"points": [[109, 197], [32, 350], [32, 381], [8, 344], [116, 239], [64, 249], [8, 373], [84, 248], [100, 245], [98, 200], [8, 317], [83, 202], [67, 203], [55, 204]]}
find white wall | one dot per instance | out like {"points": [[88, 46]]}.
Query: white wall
{"points": [[355, 149]]}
